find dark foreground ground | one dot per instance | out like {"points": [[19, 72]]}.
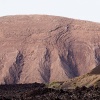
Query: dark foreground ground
{"points": [[40, 92]]}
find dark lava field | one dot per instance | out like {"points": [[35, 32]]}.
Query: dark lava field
{"points": [[38, 91]]}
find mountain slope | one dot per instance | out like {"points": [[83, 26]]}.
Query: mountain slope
{"points": [[90, 79], [41, 48]]}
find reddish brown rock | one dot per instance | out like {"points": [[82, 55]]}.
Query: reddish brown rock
{"points": [[41, 48]]}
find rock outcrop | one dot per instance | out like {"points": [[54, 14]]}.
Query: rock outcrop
{"points": [[41, 48]]}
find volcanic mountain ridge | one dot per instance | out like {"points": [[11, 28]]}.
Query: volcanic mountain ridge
{"points": [[42, 48]]}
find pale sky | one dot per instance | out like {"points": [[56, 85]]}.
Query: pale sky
{"points": [[78, 9]]}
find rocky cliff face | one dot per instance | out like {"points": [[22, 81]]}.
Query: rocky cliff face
{"points": [[40, 48]]}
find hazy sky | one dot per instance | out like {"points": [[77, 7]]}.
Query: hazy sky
{"points": [[78, 9]]}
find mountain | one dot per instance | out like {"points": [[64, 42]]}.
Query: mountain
{"points": [[42, 48], [88, 80]]}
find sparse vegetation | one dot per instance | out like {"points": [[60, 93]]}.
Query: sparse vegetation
{"points": [[55, 85]]}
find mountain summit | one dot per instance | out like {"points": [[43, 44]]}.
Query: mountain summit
{"points": [[42, 48]]}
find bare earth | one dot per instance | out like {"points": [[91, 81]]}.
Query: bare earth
{"points": [[41, 48]]}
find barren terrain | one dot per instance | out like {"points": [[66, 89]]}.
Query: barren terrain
{"points": [[42, 48]]}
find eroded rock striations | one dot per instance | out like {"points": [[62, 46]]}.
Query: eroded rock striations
{"points": [[42, 48]]}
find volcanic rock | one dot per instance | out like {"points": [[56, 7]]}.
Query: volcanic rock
{"points": [[42, 48]]}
